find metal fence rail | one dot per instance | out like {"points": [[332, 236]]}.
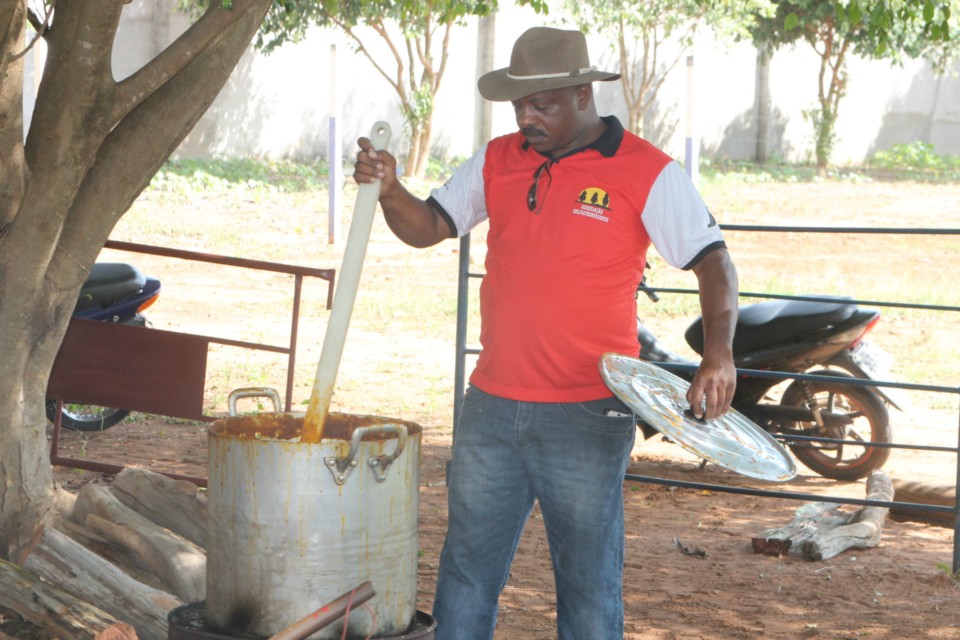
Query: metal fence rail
{"points": [[463, 350], [297, 272]]}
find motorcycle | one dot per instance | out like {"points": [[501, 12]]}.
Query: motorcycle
{"points": [[822, 422], [113, 292]]}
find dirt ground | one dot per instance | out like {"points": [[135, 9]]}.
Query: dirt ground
{"points": [[900, 589]]}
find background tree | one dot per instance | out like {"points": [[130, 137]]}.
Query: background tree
{"points": [[837, 29], [652, 37], [417, 38], [93, 145]]}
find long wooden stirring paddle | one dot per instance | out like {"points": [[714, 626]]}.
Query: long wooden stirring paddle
{"points": [[348, 280]]}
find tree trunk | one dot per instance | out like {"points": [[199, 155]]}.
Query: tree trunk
{"points": [[423, 147], [80, 169], [12, 174], [410, 164], [635, 120], [823, 142]]}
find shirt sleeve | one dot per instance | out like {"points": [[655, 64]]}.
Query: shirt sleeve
{"points": [[677, 220], [461, 199]]}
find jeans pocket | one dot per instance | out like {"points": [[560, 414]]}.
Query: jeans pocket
{"points": [[472, 397], [607, 415]]}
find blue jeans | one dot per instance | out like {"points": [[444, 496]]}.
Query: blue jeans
{"points": [[569, 457]]}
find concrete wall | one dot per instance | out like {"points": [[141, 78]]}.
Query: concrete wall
{"points": [[279, 105]]}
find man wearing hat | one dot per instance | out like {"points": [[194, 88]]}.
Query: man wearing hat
{"points": [[573, 203]]}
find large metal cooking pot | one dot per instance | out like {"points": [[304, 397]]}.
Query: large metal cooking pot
{"points": [[293, 524]]}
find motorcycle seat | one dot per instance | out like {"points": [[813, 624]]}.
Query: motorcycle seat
{"points": [[768, 323], [109, 282]]}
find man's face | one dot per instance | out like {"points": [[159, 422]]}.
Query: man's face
{"points": [[550, 120]]}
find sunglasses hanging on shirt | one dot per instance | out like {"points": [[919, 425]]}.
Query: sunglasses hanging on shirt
{"points": [[535, 199]]}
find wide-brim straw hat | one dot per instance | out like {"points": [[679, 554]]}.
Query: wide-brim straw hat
{"points": [[543, 58]]}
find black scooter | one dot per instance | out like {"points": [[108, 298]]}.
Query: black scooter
{"points": [[113, 292], [817, 338]]}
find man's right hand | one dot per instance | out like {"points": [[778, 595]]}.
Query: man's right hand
{"points": [[410, 218], [375, 165]]}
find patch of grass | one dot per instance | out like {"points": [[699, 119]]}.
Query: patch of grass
{"points": [[732, 172], [219, 176], [947, 569], [918, 161], [741, 173], [903, 162]]}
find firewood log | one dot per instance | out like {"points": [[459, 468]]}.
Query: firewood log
{"points": [[821, 530], [175, 504], [926, 494], [55, 610], [84, 574], [865, 526], [180, 564], [809, 521]]}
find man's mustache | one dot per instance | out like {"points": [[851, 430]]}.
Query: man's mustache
{"points": [[532, 131]]}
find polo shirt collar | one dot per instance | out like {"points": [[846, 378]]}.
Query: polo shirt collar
{"points": [[607, 144]]}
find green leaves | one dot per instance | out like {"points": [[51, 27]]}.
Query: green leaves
{"points": [[854, 12]]}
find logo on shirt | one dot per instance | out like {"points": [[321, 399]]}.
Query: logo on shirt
{"points": [[593, 202]]}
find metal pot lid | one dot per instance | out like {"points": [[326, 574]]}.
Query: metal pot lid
{"points": [[731, 441]]}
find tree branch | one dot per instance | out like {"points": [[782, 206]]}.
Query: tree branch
{"points": [[445, 47], [360, 47], [410, 71], [628, 77], [201, 35], [40, 26], [139, 144], [78, 73]]}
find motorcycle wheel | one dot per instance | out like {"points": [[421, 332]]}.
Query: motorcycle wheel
{"points": [[86, 417], [871, 423]]}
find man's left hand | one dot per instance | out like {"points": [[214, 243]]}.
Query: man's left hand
{"points": [[712, 389]]}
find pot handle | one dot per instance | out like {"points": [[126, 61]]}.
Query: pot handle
{"points": [[341, 467], [252, 392]]}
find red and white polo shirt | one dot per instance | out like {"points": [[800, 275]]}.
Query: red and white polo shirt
{"points": [[560, 281]]}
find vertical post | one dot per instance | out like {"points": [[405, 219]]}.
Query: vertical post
{"points": [[463, 290], [334, 154], [692, 155], [483, 109], [956, 509], [294, 331], [460, 366], [762, 104]]}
